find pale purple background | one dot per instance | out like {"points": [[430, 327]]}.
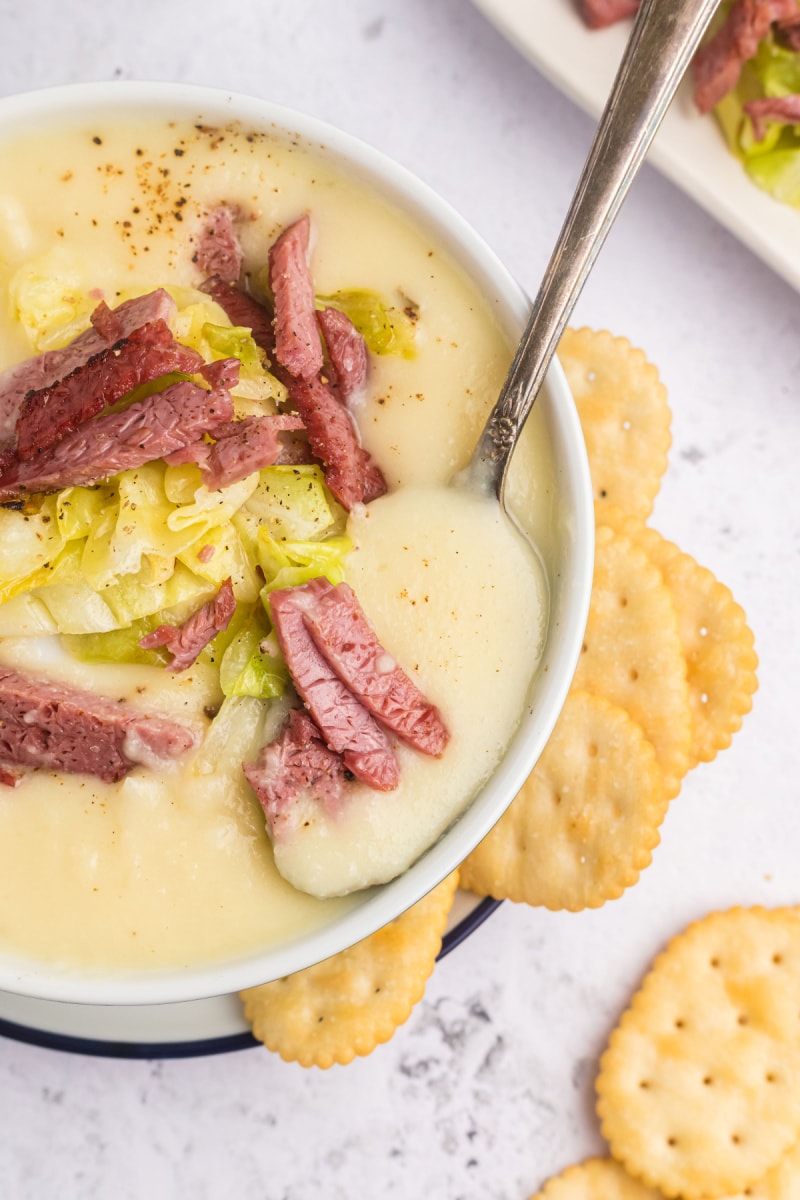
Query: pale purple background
{"points": [[489, 1087]]}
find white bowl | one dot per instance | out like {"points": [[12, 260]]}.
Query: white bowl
{"points": [[569, 576]]}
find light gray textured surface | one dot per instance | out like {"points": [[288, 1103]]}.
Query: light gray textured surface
{"points": [[489, 1087]]}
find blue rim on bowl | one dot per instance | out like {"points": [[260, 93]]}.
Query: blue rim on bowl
{"points": [[123, 1045]]}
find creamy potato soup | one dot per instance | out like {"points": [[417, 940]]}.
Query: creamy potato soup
{"points": [[172, 864]]}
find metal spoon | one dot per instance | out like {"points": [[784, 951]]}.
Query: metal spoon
{"points": [[664, 38]]}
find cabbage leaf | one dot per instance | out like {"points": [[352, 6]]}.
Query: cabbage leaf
{"points": [[49, 299], [294, 503], [117, 645], [289, 564], [245, 668]]}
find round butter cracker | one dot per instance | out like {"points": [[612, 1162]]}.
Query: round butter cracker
{"points": [[632, 652], [350, 1003], [781, 1183], [699, 1089], [585, 822], [717, 643], [623, 411], [596, 1179]]}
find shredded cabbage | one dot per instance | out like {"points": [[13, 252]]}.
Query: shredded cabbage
{"points": [[294, 503], [98, 559], [288, 564], [24, 616], [79, 508], [773, 163], [205, 509], [102, 566], [233, 341], [229, 560], [245, 668], [30, 541], [256, 383], [148, 389], [239, 729], [118, 645], [195, 309], [48, 298], [203, 324]]}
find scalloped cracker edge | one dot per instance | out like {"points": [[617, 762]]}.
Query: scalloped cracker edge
{"points": [[699, 1089], [623, 410], [350, 1003]]}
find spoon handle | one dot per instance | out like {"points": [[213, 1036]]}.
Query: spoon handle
{"points": [[664, 38]]}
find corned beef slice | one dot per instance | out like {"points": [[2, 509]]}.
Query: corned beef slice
{"points": [[106, 322], [221, 375], [243, 447], [151, 428], [347, 351], [50, 725], [297, 343], [347, 641], [297, 762], [788, 32], [113, 324], [51, 413], [346, 726], [785, 109], [218, 250], [242, 310], [718, 64], [109, 326], [184, 642], [599, 13], [350, 473]]}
